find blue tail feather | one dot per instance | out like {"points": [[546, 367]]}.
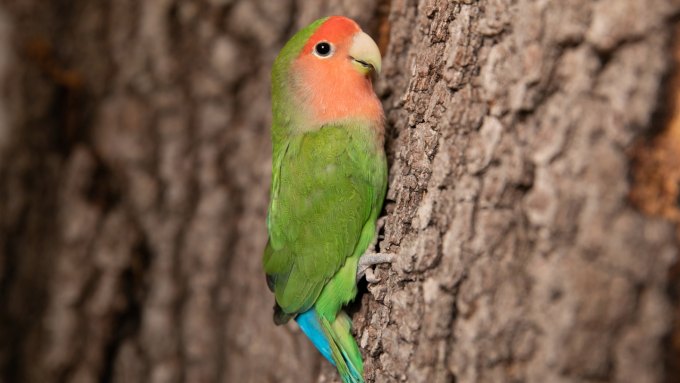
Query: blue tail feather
{"points": [[310, 325], [335, 342]]}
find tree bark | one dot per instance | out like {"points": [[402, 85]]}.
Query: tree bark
{"points": [[530, 145]]}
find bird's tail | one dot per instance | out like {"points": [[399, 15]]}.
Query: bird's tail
{"points": [[335, 342]]}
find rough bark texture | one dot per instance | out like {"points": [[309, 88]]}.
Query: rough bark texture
{"points": [[134, 168]]}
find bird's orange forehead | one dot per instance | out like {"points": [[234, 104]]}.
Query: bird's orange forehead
{"points": [[335, 30]]}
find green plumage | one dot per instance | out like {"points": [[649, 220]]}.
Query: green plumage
{"points": [[328, 185], [328, 190]]}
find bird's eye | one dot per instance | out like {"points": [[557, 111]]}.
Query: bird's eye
{"points": [[323, 49]]}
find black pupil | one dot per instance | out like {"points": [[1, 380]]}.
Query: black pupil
{"points": [[323, 49]]}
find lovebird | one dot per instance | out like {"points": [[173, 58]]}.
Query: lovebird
{"points": [[329, 177]]}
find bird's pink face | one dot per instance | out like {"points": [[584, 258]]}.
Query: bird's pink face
{"points": [[332, 73]]}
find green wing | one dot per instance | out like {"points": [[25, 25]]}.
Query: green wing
{"points": [[326, 184]]}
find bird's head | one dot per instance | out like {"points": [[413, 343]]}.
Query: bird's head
{"points": [[327, 75]]}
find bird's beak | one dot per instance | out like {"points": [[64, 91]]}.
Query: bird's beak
{"points": [[365, 54]]}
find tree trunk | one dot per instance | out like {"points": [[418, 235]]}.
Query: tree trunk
{"points": [[533, 148]]}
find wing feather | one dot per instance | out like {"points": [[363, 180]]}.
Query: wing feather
{"points": [[321, 199]]}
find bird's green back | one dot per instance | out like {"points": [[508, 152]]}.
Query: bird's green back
{"points": [[329, 185]]}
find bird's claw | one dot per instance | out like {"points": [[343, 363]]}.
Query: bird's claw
{"points": [[370, 259], [370, 276]]}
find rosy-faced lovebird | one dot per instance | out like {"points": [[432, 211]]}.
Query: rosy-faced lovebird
{"points": [[329, 176]]}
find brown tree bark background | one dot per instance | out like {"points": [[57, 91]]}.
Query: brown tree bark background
{"points": [[134, 173]]}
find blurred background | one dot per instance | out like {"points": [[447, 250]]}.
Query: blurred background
{"points": [[533, 199]]}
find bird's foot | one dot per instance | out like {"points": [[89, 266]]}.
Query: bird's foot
{"points": [[369, 259]]}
